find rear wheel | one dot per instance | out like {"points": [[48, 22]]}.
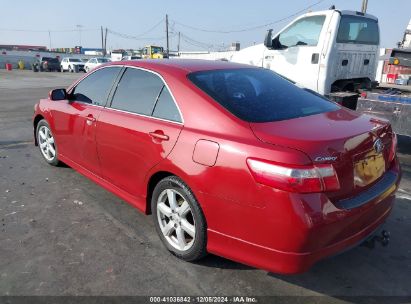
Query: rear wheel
{"points": [[179, 219], [46, 143]]}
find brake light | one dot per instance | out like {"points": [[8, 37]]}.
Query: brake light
{"points": [[303, 179], [393, 149]]}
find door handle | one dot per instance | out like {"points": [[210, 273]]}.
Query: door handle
{"points": [[159, 135], [90, 118]]}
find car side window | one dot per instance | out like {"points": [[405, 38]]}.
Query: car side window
{"points": [[137, 92], [94, 89], [166, 108]]}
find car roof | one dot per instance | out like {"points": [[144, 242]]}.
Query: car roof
{"points": [[186, 65]]}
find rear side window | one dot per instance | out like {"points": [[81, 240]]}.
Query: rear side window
{"points": [[137, 92], [166, 108], [259, 95], [358, 30], [94, 89]]}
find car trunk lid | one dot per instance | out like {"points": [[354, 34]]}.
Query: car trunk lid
{"points": [[357, 145]]}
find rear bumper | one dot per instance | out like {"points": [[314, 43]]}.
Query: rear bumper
{"points": [[313, 228], [280, 261]]}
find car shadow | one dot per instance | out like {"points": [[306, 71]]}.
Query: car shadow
{"points": [[214, 261]]}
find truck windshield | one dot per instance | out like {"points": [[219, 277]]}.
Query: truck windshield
{"points": [[156, 50], [259, 95], [358, 30]]}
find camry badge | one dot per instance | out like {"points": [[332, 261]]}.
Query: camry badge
{"points": [[378, 146]]}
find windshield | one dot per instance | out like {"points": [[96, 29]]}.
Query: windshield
{"points": [[74, 60], [259, 95], [358, 30], [156, 50]]}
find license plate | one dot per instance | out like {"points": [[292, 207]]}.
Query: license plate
{"points": [[368, 169]]}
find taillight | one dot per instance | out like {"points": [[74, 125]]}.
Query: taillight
{"points": [[393, 149], [303, 179]]}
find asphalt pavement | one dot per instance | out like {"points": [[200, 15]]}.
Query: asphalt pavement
{"points": [[61, 234]]}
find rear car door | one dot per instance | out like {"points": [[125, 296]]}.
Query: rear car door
{"points": [[75, 120], [138, 129]]}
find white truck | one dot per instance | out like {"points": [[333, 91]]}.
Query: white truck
{"points": [[332, 52]]}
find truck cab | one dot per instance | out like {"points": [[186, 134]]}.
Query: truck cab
{"points": [[325, 51], [153, 52]]}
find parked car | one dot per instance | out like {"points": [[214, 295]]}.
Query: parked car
{"points": [[95, 62], [48, 64], [72, 65], [130, 58], [229, 159]]}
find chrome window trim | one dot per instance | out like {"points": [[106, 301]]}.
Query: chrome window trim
{"points": [[142, 115], [108, 105]]}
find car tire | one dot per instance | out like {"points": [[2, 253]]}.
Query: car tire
{"points": [[183, 231], [46, 143], [86, 69]]}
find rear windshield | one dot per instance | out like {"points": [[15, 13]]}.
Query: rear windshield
{"points": [[259, 95], [358, 30], [50, 59]]}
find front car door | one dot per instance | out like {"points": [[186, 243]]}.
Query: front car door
{"points": [[75, 119], [138, 129], [296, 51]]}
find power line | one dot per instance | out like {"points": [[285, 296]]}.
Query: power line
{"points": [[249, 28], [47, 31]]}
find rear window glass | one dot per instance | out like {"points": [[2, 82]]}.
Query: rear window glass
{"points": [[50, 59], [358, 30], [259, 95]]}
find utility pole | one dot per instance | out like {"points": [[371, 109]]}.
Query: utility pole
{"points": [[364, 6], [105, 43], [50, 40], [178, 45], [102, 40], [79, 26], [168, 43]]}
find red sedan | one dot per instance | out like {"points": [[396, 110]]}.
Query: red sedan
{"points": [[230, 159]]}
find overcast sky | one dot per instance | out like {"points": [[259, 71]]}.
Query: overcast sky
{"points": [[28, 22]]}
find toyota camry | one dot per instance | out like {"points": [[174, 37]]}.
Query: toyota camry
{"points": [[229, 159]]}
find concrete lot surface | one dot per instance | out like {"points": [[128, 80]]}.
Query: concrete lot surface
{"points": [[61, 234]]}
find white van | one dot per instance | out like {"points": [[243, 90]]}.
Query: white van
{"points": [[326, 51]]}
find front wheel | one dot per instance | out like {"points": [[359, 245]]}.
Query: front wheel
{"points": [[46, 143], [179, 220]]}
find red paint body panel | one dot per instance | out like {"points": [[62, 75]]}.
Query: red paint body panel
{"points": [[248, 222]]}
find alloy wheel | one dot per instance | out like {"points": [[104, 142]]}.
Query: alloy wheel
{"points": [[176, 219], [46, 143]]}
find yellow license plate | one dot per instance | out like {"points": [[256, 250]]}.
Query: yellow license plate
{"points": [[368, 169]]}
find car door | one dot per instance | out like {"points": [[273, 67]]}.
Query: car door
{"points": [[75, 119], [296, 51], [138, 130]]}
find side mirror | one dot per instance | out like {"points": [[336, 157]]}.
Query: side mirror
{"points": [[58, 94], [268, 40]]}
